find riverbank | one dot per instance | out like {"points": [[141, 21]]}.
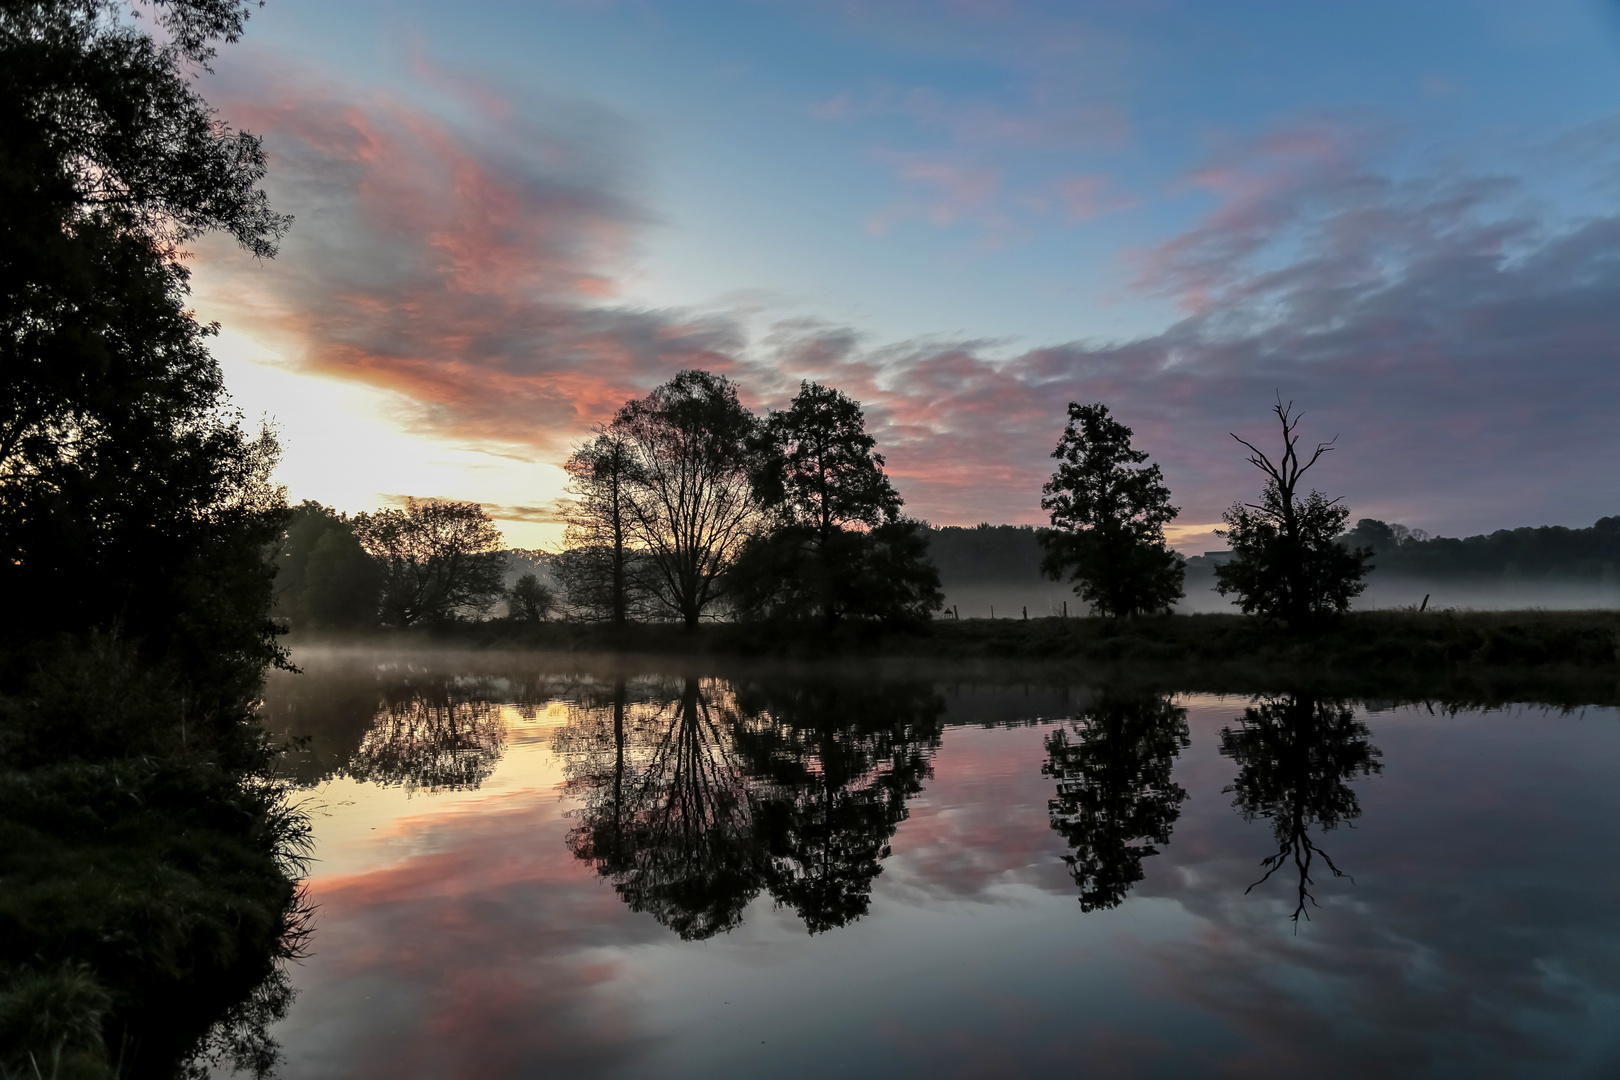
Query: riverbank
{"points": [[1373, 642]]}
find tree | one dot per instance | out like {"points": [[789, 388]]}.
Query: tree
{"points": [[529, 600], [438, 559], [1287, 563], [130, 496], [599, 575], [691, 503], [1108, 519], [324, 578], [837, 546], [136, 517]]}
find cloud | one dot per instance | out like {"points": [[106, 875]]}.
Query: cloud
{"points": [[466, 264], [1462, 346], [1460, 341]]}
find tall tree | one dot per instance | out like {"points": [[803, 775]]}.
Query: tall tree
{"points": [[837, 545], [597, 572], [1287, 562], [691, 505], [438, 559], [1108, 518], [136, 516]]}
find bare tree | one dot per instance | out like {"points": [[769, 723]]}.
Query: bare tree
{"points": [[596, 568], [1288, 563], [691, 502]]}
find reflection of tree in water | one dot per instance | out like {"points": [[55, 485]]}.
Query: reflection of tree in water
{"points": [[837, 762], [441, 736], [694, 801], [1295, 754], [1115, 800], [670, 819]]}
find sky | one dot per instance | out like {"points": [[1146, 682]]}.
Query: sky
{"points": [[513, 217]]}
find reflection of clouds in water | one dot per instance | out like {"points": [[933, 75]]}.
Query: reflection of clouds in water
{"points": [[1475, 936], [1470, 940], [491, 957]]}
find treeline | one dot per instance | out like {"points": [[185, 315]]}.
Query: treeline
{"points": [[1547, 553], [983, 554], [685, 507], [430, 561]]}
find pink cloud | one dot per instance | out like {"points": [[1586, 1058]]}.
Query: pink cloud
{"points": [[464, 268]]}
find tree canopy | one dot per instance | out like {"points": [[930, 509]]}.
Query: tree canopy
{"points": [[438, 558], [835, 545], [1108, 515]]}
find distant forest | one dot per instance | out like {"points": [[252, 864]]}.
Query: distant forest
{"points": [[325, 577], [1001, 554]]}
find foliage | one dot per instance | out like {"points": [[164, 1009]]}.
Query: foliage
{"points": [[129, 494], [1287, 563], [1115, 800], [821, 469], [986, 553], [600, 578], [691, 504], [438, 559], [836, 546], [530, 601], [1108, 519], [324, 577], [149, 867], [1295, 754], [1550, 552]]}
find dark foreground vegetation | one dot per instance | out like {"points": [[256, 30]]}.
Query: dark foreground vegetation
{"points": [[148, 861]]}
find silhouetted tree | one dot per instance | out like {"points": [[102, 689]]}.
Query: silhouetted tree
{"points": [[1286, 562], [1108, 518], [1115, 799], [126, 485], [691, 503], [529, 600], [438, 559], [1295, 754], [324, 578], [836, 545], [599, 572], [149, 866]]}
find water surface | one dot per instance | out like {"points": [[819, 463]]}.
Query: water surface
{"points": [[531, 867]]}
